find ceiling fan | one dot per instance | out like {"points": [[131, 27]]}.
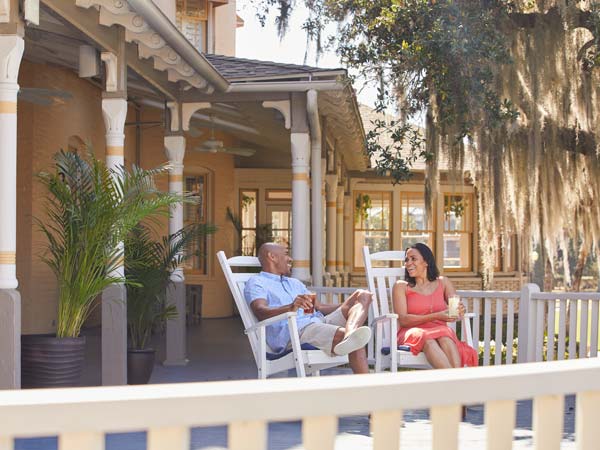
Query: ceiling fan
{"points": [[213, 145], [45, 97]]}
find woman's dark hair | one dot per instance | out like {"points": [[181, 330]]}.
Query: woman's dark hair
{"points": [[432, 271]]}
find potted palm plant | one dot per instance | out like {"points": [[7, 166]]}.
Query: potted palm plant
{"points": [[149, 265], [90, 210]]}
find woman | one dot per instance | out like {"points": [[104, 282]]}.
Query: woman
{"points": [[421, 305]]}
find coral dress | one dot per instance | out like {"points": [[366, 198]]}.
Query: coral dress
{"points": [[415, 337]]}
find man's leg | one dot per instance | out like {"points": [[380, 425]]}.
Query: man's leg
{"points": [[356, 310]]}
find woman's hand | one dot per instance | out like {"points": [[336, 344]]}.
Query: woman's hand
{"points": [[461, 310], [444, 317]]}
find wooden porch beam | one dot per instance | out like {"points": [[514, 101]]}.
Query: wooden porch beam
{"points": [[215, 97]]}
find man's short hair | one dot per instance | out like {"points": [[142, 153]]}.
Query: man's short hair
{"points": [[264, 250]]}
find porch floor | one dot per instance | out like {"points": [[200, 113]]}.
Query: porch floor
{"points": [[218, 350]]}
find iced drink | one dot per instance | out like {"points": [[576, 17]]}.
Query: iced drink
{"points": [[313, 298], [453, 303]]}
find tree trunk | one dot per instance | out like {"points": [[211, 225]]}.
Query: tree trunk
{"points": [[583, 253]]}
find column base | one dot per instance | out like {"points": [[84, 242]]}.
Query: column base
{"points": [[10, 339], [114, 336], [176, 327]]}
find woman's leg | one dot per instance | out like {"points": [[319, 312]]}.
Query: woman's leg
{"points": [[450, 350], [435, 355]]}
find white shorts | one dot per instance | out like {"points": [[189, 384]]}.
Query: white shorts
{"points": [[321, 334]]}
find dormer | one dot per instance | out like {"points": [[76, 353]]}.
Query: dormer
{"points": [[208, 24]]}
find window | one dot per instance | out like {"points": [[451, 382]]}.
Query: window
{"points": [[192, 17], [196, 212], [415, 227], [278, 194], [458, 231], [281, 225], [249, 220], [372, 223]]}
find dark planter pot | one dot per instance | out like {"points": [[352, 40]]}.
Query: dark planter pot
{"points": [[139, 365], [48, 361]]}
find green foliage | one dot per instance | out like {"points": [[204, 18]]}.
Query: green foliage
{"points": [[437, 56], [90, 210], [264, 232], [149, 265], [362, 206], [455, 204]]}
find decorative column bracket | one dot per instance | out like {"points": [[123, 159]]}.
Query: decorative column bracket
{"points": [[284, 107]]}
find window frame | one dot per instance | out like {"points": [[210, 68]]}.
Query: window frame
{"points": [[207, 190], [431, 222], [468, 229], [390, 230], [256, 216]]}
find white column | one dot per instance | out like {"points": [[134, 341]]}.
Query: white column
{"points": [[300, 206], [11, 52], [348, 235], [331, 265], [114, 298], [176, 330], [339, 222]]}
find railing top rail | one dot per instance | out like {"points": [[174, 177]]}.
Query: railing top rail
{"points": [[115, 409], [489, 294], [331, 290], [565, 296]]}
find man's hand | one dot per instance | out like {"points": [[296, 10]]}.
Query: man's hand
{"points": [[301, 302]]}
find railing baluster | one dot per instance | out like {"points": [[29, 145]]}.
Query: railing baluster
{"points": [[587, 416], [498, 336], [79, 441], [573, 328], [547, 421], [445, 420], [562, 329], [385, 427], [539, 330], [477, 311], [172, 438], [510, 330], [318, 433], [499, 424], [7, 443], [583, 329], [247, 435], [551, 330], [487, 319], [594, 330]]}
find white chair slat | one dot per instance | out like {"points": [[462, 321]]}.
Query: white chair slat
{"points": [[476, 308], [388, 255]]}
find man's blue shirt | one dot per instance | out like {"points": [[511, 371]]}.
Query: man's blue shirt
{"points": [[279, 290]]}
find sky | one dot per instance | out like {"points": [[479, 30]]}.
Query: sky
{"points": [[256, 42]]}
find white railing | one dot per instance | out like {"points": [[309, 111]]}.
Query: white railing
{"points": [[82, 416], [499, 307], [332, 295], [565, 325]]}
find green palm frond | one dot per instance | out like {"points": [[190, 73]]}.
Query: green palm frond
{"points": [[89, 210], [149, 264]]}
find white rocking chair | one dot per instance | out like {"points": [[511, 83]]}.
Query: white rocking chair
{"points": [[381, 280], [305, 358]]}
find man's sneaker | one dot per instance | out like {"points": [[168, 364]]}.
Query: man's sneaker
{"points": [[355, 340]]}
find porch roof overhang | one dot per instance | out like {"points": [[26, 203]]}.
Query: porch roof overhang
{"points": [[156, 50]]}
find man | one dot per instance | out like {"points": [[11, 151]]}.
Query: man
{"points": [[335, 329]]}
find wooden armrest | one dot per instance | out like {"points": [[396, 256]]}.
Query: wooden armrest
{"points": [[467, 315], [270, 321]]}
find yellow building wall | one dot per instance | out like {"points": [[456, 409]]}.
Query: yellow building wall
{"points": [[225, 26], [42, 131]]}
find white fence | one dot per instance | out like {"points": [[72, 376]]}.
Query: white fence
{"points": [[82, 416]]}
